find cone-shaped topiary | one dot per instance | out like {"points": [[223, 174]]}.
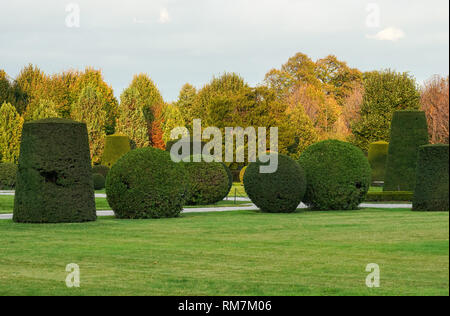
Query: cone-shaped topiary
{"points": [[115, 147], [377, 158], [338, 175], [409, 131], [278, 192], [209, 182], [99, 181], [146, 183], [432, 182], [54, 180]]}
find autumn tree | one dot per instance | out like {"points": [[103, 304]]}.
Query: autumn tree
{"points": [[10, 132], [29, 86], [385, 92], [435, 103], [131, 120], [45, 109], [6, 92], [186, 104], [172, 118], [90, 109]]}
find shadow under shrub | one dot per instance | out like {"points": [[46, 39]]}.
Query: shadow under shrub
{"points": [[278, 192], [338, 175], [146, 183]]}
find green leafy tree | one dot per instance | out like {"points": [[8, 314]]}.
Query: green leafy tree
{"points": [[385, 92], [6, 92], [186, 103], [10, 131], [89, 109], [172, 118], [131, 120], [29, 86], [45, 109]]}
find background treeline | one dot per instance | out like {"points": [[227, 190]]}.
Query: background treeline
{"points": [[308, 100]]}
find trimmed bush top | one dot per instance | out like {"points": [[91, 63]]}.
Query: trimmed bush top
{"points": [[146, 183], [338, 175], [409, 131], [278, 192], [432, 179], [8, 172], [54, 180], [377, 158]]}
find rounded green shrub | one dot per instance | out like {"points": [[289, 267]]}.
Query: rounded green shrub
{"points": [[409, 131], [115, 147], [209, 182], [432, 179], [278, 192], [103, 170], [377, 158], [99, 181], [338, 174], [242, 173], [146, 183], [8, 172], [54, 179]]}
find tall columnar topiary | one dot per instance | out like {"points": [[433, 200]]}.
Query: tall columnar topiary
{"points": [[115, 147], [10, 131], [377, 158], [209, 182], [278, 192], [432, 180], [338, 175], [54, 181], [408, 132], [146, 183], [89, 109]]}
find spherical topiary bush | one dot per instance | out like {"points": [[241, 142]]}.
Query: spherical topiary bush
{"points": [[8, 173], [338, 174], [146, 183], [242, 173], [377, 158], [209, 182], [432, 183], [99, 181], [103, 170], [54, 180], [409, 131], [278, 192], [115, 147]]}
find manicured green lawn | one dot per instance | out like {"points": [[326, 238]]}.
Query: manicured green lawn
{"points": [[232, 253]]}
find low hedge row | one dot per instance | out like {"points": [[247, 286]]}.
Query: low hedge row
{"points": [[390, 196]]}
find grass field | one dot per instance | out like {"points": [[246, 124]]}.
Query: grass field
{"points": [[232, 253]]}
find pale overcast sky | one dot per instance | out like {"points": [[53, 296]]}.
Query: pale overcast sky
{"points": [[179, 41]]}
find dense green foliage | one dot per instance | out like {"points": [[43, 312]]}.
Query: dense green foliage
{"points": [[146, 183], [408, 132], [432, 179], [10, 132], [99, 181], [115, 147], [8, 173], [209, 182], [397, 196], [278, 192], [103, 170], [385, 92], [54, 181], [377, 158], [338, 175]]}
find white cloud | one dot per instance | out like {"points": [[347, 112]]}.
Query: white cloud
{"points": [[388, 34], [164, 16]]}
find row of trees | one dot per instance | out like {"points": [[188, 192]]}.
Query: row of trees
{"points": [[307, 100]]}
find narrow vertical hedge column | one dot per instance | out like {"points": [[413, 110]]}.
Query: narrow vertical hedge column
{"points": [[377, 158], [115, 147], [432, 182], [54, 180], [409, 131]]}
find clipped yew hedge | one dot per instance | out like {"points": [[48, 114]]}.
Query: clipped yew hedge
{"points": [[432, 179], [409, 131], [377, 158], [278, 192], [8, 172], [145, 183], [338, 174], [54, 179], [115, 147]]}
